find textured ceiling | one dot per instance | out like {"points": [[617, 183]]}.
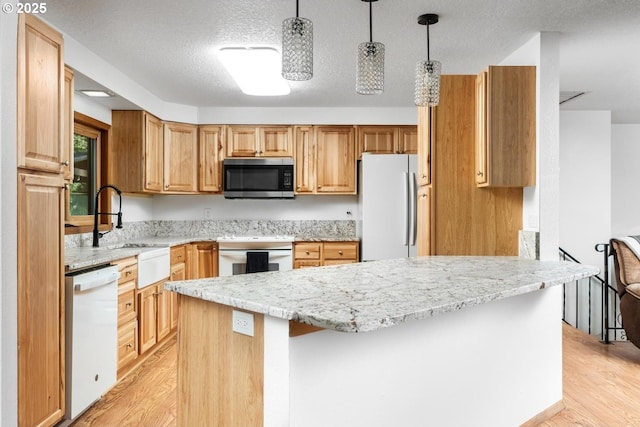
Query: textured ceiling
{"points": [[169, 46]]}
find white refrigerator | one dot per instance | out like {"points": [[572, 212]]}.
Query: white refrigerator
{"points": [[388, 189]]}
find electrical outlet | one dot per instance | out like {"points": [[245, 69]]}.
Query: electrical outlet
{"points": [[208, 213], [242, 322]]}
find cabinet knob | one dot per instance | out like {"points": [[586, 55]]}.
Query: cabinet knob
{"points": [[65, 163], [129, 345], [424, 176], [339, 252], [306, 252], [128, 304], [424, 196], [128, 273], [480, 173]]}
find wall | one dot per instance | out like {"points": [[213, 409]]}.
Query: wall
{"points": [[300, 208], [585, 204], [625, 178], [8, 221], [541, 203]]}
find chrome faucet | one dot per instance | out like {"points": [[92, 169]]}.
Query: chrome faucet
{"points": [[96, 234]]}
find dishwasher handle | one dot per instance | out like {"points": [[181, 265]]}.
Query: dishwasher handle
{"points": [[92, 284]]}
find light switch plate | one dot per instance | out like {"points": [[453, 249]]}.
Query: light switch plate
{"points": [[242, 322]]}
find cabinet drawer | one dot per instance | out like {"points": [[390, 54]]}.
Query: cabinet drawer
{"points": [[127, 343], [339, 261], [340, 250], [128, 269], [309, 250], [306, 263], [126, 302], [178, 254]]}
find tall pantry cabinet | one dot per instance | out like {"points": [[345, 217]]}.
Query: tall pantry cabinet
{"points": [[41, 165], [455, 216]]}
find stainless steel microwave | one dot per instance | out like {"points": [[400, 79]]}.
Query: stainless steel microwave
{"points": [[258, 178]]}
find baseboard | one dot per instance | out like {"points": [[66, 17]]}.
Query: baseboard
{"points": [[545, 415]]}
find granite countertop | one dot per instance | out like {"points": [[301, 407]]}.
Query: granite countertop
{"points": [[85, 256], [368, 296]]}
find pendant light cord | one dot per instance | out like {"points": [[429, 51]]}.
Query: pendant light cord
{"points": [[370, 22], [428, 56], [297, 14]]}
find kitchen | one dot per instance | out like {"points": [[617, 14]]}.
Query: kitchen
{"points": [[162, 207]]}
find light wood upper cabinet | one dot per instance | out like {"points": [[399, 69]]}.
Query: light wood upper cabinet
{"points": [[506, 126], [425, 134], [153, 153], [40, 89], [137, 147], [387, 140], [67, 125], [335, 159], [305, 165], [210, 158], [40, 300], [259, 141], [180, 157]]}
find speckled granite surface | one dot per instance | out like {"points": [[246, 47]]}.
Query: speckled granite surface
{"points": [[368, 296], [134, 237]]}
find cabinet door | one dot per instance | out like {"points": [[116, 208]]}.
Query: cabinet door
{"points": [[67, 125], [178, 272], [210, 158], [180, 157], [408, 139], [147, 318], [40, 298], [204, 260], [336, 160], [163, 308], [153, 153], [305, 158], [276, 141], [242, 141], [481, 129], [40, 89], [426, 132], [377, 139], [424, 221]]}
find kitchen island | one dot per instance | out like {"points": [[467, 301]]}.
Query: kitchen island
{"points": [[411, 342]]}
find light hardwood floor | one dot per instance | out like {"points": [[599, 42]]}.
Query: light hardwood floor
{"points": [[601, 388]]}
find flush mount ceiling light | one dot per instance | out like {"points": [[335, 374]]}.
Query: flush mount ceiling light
{"points": [[428, 72], [96, 93], [370, 73], [297, 48], [256, 70]]}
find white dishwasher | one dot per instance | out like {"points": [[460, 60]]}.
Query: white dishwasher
{"points": [[91, 336]]}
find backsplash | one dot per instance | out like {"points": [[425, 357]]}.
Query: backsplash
{"points": [[302, 229]]}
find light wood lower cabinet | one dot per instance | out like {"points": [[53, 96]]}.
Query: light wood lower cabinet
{"points": [[153, 316], [203, 260], [127, 313], [316, 254]]}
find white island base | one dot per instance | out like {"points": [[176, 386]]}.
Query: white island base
{"points": [[493, 364]]}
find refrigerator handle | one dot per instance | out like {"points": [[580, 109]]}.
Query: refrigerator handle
{"points": [[413, 214], [407, 205]]}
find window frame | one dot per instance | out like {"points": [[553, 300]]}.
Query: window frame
{"points": [[75, 224]]}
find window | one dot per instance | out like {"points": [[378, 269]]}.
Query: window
{"points": [[90, 139]]}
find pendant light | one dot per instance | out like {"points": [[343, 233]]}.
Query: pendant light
{"points": [[428, 72], [370, 73], [297, 48]]}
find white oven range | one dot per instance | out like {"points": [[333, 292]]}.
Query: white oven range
{"points": [[233, 252]]}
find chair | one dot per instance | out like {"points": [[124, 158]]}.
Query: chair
{"points": [[627, 269]]}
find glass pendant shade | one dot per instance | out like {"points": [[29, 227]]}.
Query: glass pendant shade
{"points": [[427, 91], [370, 75], [297, 49]]}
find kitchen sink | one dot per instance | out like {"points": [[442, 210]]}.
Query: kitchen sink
{"points": [[153, 266]]}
